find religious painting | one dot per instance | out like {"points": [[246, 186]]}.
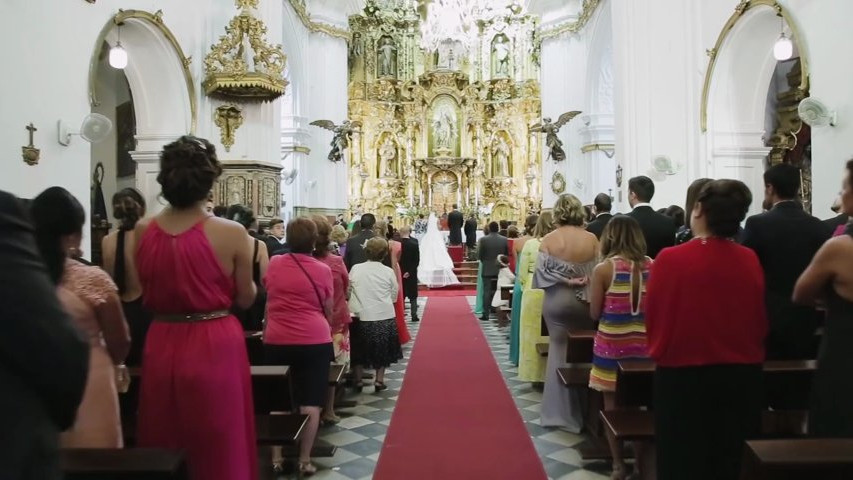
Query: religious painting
{"points": [[444, 127], [386, 58], [445, 191], [125, 139], [500, 56]]}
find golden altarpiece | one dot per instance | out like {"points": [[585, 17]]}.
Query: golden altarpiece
{"points": [[445, 127]]}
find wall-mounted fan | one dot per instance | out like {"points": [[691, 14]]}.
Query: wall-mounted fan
{"points": [[288, 176], [815, 113], [95, 128], [663, 164]]}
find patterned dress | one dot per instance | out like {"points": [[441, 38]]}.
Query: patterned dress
{"points": [[621, 330]]}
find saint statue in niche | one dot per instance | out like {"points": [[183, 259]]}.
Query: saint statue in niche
{"points": [[500, 56], [500, 157], [388, 158], [386, 55], [447, 55], [444, 128]]}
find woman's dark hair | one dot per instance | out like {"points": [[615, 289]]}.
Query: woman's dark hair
{"points": [[512, 232], [324, 229], [693, 192], [55, 213], [220, 211], [128, 207], [241, 214], [724, 204], [301, 235], [188, 168], [676, 213], [530, 224]]}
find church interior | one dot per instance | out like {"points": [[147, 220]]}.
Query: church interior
{"points": [[426, 239]]}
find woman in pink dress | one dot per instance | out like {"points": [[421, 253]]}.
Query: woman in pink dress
{"points": [[91, 300], [196, 392], [341, 318], [399, 305]]}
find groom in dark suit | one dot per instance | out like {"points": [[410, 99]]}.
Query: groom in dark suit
{"points": [[455, 220], [410, 258], [488, 249]]}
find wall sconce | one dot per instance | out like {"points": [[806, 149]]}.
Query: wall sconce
{"points": [[619, 176]]}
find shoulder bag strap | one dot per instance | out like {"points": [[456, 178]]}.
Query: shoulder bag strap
{"points": [[316, 291]]}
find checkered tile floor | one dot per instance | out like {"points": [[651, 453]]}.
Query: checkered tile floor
{"points": [[360, 434]]}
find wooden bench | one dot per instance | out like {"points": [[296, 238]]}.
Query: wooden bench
{"points": [[576, 375], [125, 463], [825, 459], [635, 390], [579, 349]]}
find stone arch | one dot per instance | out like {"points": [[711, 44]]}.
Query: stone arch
{"points": [[734, 99]]}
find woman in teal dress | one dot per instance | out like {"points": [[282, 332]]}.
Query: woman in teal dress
{"points": [[478, 307]]}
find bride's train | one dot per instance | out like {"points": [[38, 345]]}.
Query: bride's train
{"points": [[436, 266]]}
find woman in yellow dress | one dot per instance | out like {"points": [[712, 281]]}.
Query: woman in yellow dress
{"points": [[531, 365]]}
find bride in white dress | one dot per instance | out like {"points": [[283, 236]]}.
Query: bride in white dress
{"points": [[436, 267]]}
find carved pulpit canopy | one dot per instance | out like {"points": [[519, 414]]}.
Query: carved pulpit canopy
{"points": [[242, 66]]}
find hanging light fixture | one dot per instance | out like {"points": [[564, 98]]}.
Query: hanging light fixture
{"points": [[455, 21], [783, 49], [118, 55]]}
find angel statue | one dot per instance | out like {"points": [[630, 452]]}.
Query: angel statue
{"points": [[554, 144], [341, 137]]}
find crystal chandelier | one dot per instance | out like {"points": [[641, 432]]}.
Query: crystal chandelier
{"points": [[455, 21]]}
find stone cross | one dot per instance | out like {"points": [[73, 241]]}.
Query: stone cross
{"points": [[32, 129]]}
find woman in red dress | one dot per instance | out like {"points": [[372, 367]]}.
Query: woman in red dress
{"points": [[399, 305], [196, 392]]}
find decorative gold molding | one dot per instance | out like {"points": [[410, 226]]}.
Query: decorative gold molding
{"points": [[156, 20], [228, 118], [302, 149], [605, 147], [713, 53], [317, 27], [576, 26], [228, 74]]}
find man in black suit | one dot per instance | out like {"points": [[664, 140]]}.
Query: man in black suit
{"points": [[658, 229], [785, 238], [355, 246], [471, 235], [455, 219], [410, 258], [44, 360], [488, 249], [274, 237], [838, 220], [602, 206]]}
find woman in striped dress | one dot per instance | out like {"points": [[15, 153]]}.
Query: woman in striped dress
{"points": [[616, 301]]}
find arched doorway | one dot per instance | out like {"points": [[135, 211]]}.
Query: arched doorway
{"points": [[151, 102], [741, 92]]}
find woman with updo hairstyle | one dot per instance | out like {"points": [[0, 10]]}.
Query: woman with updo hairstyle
{"points": [[706, 324], [90, 298], [395, 250], [252, 318], [117, 249], [195, 392], [341, 318], [565, 262], [339, 237], [684, 234]]}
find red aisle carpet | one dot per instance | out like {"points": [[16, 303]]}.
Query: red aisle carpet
{"points": [[455, 418], [447, 293]]}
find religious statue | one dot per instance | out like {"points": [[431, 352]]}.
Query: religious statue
{"points": [[387, 158], [340, 139], [500, 56], [500, 157], [444, 126], [387, 57], [554, 144]]}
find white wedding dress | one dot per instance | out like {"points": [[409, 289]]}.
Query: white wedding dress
{"points": [[436, 267]]}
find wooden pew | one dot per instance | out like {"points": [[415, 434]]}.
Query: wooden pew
{"points": [[579, 349], [129, 463], [635, 390], [825, 459]]}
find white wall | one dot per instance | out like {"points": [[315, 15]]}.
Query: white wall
{"points": [[52, 83], [660, 62]]}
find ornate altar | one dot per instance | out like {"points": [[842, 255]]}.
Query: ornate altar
{"points": [[443, 127], [254, 185]]}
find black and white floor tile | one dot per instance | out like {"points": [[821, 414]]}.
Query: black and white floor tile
{"points": [[362, 430]]}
